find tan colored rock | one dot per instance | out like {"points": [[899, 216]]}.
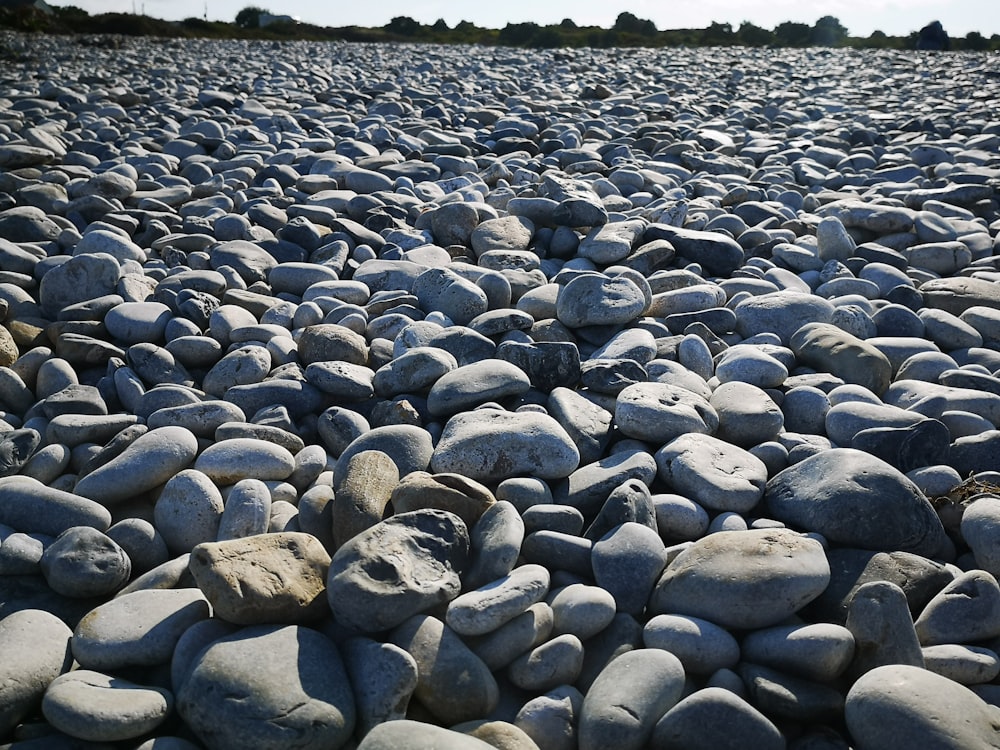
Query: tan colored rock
{"points": [[466, 498], [361, 493], [266, 578]]}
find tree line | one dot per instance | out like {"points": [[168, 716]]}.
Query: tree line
{"points": [[628, 30]]}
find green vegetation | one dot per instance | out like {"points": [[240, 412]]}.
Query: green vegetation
{"points": [[627, 31]]}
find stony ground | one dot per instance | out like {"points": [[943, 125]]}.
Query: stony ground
{"points": [[410, 397]]}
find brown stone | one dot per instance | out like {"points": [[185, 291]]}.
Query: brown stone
{"points": [[466, 498]]}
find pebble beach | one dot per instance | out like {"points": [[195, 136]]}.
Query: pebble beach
{"points": [[397, 397]]}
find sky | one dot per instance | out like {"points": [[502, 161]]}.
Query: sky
{"points": [[861, 17]]}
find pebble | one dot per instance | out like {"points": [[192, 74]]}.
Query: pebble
{"points": [[702, 647], [452, 334]]}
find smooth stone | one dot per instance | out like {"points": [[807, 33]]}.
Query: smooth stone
{"points": [[244, 366], [966, 665], [500, 734], [629, 502], [714, 718], [383, 677], [495, 544], [551, 719], [879, 619], [267, 578], [743, 579], [548, 364], [489, 445], [679, 518], [441, 289], [247, 510], [628, 698], [790, 698], [782, 313], [397, 568], [343, 381], [82, 562], [203, 419], [715, 474], [958, 294], [485, 609], [898, 706], [96, 707], [137, 629], [748, 416], [148, 462], [581, 610], [555, 662], [361, 495], [16, 448], [267, 686], [409, 446], [907, 448], [36, 648], [590, 486], [398, 734], [844, 421], [229, 461], [702, 646], [331, 343], [188, 511], [79, 279], [134, 322], [414, 371], [833, 241], [980, 529], [595, 300], [716, 253], [856, 500], [468, 386], [627, 562], [660, 412], [833, 350], [514, 638], [748, 364], [820, 652], [453, 683]]}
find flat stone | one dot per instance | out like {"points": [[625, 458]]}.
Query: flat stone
{"points": [[717, 475], [899, 705], [471, 385], [595, 299], [833, 350], [782, 313], [452, 682], [383, 677], [718, 254], [36, 647], [229, 461], [396, 569], [483, 610], [96, 707], [489, 445], [660, 412], [495, 542], [148, 462], [747, 415], [137, 629], [628, 698], [702, 646], [266, 686], [551, 719], [397, 734], [714, 718], [820, 652], [856, 500], [243, 366], [743, 579], [266, 578]]}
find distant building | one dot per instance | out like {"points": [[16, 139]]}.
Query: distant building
{"points": [[39, 5], [267, 19]]}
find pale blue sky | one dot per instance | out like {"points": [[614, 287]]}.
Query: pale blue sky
{"points": [[861, 17]]}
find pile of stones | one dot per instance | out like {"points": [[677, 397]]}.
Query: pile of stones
{"points": [[408, 396]]}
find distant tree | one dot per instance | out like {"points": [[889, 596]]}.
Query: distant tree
{"points": [[976, 42], [249, 17], [403, 25], [792, 34], [718, 34], [464, 28], [754, 36], [628, 23], [518, 34], [828, 32], [878, 39], [440, 25], [567, 23]]}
